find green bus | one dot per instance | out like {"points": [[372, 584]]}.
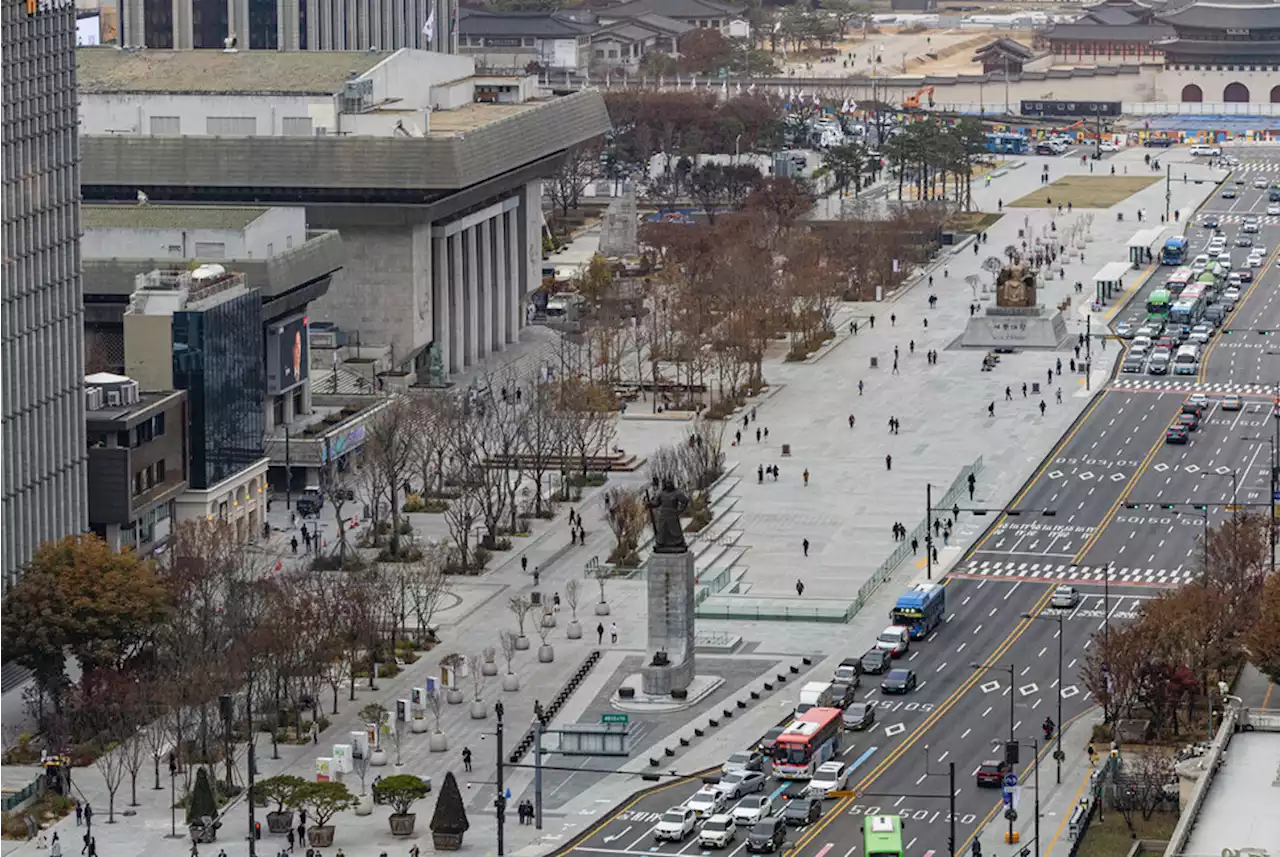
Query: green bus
{"points": [[1158, 304], [882, 835]]}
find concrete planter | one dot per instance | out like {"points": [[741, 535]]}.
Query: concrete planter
{"points": [[280, 822], [402, 825], [522, 643], [574, 630], [548, 620], [364, 805], [453, 696], [320, 837], [511, 682], [446, 841], [418, 725], [489, 668], [546, 654], [602, 608], [378, 759], [439, 742], [479, 711]]}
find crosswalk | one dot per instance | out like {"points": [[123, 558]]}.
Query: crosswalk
{"points": [[1263, 219], [1077, 573], [1269, 169], [1186, 385]]}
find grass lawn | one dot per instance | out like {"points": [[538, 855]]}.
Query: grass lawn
{"points": [[1085, 191], [1111, 837], [973, 221]]}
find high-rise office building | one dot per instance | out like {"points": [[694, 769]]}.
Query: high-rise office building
{"points": [[42, 345], [291, 25]]}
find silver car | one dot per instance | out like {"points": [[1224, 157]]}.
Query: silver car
{"points": [[1065, 597], [735, 784]]}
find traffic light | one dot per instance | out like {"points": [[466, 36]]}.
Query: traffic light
{"points": [[1011, 753]]}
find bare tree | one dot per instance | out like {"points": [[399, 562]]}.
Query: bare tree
{"points": [[626, 516], [439, 413], [508, 641], [590, 420], [475, 663], [338, 494], [360, 767], [110, 761], [520, 606], [461, 516], [435, 702], [389, 449], [156, 733], [581, 164], [543, 438], [133, 750], [427, 586], [571, 597]]}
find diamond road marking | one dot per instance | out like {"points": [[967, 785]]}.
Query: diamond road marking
{"points": [[1192, 468], [895, 729], [990, 686], [1070, 691], [1055, 474], [1028, 689], [1087, 475], [1117, 477], [1162, 467], [1222, 471]]}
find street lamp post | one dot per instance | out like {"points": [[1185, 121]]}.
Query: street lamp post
{"points": [[1058, 755], [1273, 483]]}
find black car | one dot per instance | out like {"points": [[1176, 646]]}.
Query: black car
{"points": [[859, 716], [1158, 142], [1244, 241], [802, 811], [310, 502], [770, 738], [767, 835], [843, 695], [1210, 222], [899, 681], [876, 661]]}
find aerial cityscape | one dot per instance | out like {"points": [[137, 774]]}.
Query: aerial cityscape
{"points": [[640, 428]]}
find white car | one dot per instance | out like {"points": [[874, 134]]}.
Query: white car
{"points": [[1273, 209], [751, 809], [1065, 597], [1200, 400], [1232, 295], [718, 831], [1260, 183], [1199, 337], [1249, 226], [1124, 330], [675, 824], [1108, 146], [706, 802], [1202, 149], [830, 777], [1255, 261]]}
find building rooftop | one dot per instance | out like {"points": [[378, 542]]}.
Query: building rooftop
{"points": [[1005, 46], [1239, 809], [237, 217], [468, 117], [679, 9], [105, 70], [1221, 49], [1226, 15], [545, 25], [1121, 33]]}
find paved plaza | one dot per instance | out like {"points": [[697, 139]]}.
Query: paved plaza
{"points": [[846, 512]]}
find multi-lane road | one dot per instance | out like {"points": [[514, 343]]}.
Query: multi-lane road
{"points": [[1114, 456]]}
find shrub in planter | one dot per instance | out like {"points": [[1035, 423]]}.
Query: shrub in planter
{"points": [[322, 801], [278, 790], [449, 821], [401, 792]]}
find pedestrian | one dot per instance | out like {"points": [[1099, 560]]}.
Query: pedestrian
{"points": [[573, 536], [302, 833], [88, 815], [895, 366], [911, 346], [1073, 364], [799, 587], [859, 388], [872, 320], [599, 633], [293, 543], [1057, 368], [888, 462], [806, 477], [926, 323], [893, 319], [1042, 407], [766, 432], [991, 409], [289, 838], [613, 632], [805, 545], [934, 551], [55, 847], [415, 851], [555, 602], [1059, 395], [737, 437], [466, 759], [1008, 394], [1024, 389], [931, 281], [760, 474], [79, 813], [1049, 373], [524, 564], [757, 435], [537, 572], [851, 420], [93, 847]]}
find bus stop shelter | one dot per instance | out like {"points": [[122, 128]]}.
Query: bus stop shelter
{"points": [[1110, 281], [1142, 246]]}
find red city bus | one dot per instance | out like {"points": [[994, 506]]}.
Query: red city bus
{"points": [[811, 739]]}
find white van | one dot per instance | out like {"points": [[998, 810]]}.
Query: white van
{"points": [[895, 640], [1187, 360], [815, 694]]}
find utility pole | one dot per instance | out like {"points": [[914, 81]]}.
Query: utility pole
{"points": [[1088, 352], [288, 473], [1058, 755], [928, 530], [1012, 670], [500, 801], [1273, 484], [1168, 189]]}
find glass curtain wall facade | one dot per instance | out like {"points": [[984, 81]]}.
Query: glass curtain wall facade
{"points": [[218, 360], [42, 347]]}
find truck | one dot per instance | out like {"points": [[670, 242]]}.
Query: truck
{"points": [[848, 672], [815, 694]]}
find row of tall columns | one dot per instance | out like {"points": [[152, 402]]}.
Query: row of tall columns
{"points": [[477, 297]]}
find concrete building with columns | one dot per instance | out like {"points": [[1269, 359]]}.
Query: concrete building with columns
{"points": [[431, 174]]}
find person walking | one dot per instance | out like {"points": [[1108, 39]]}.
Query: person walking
{"points": [[859, 388], [991, 409], [888, 462], [79, 814], [293, 543], [915, 544], [1042, 407], [466, 759], [872, 320], [1008, 394], [302, 833], [524, 564], [806, 477], [555, 602], [851, 420], [88, 815], [799, 587], [805, 544], [288, 837], [760, 474], [613, 632], [1059, 394], [757, 435], [1024, 389], [893, 319], [537, 573], [599, 633], [895, 366], [55, 846]]}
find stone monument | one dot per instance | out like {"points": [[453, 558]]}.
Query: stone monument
{"points": [[1016, 320], [670, 663]]}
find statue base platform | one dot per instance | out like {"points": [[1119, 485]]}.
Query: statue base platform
{"points": [[1016, 327], [671, 614], [699, 688]]}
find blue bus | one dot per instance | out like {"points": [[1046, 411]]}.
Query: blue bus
{"points": [[1175, 250], [1007, 144], [920, 609]]}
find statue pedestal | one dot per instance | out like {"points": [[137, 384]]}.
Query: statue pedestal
{"points": [[671, 620], [1015, 327]]}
